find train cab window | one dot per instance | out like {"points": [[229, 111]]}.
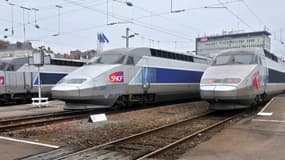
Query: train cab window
{"points": [[236, 59], [10, 67], [220, 60], [75, 81], [243, 59], [109, 59], [3, 66], [130, 61]]}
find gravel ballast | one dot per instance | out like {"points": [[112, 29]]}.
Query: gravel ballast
{"points": [[82, 134]]}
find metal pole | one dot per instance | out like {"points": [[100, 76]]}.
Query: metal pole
{"points": [[59, 7], [24, 25], [171, 6], [58, 20], [12, 17], [39, 85], [127, 37], [107, 12]]}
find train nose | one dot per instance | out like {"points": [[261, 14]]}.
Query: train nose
{"points": [[64, 92], [218, 91]]}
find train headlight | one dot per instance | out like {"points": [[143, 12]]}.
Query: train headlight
{"points": [[211, 81], [221, 81], [232, 80], [207, 81]]}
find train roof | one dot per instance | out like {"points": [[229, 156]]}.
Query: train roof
{"points": [[257, 51], [129, 51], [13, 63], [144, 51], [242, 51], [138, 53]]}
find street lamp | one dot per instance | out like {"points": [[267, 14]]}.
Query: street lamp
{"points": [[35, 12], [209, 7], [114, 23], [127, 37], [130, 4], [12, 17], [107, 9], [174, 11], [5, 35], [24, 26], [58, 29]]}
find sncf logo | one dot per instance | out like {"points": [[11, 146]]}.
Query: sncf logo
{"points": [[117, 77], [2, 82]]}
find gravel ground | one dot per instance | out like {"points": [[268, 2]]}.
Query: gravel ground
{"points": [[82, 134], [179, 150]]}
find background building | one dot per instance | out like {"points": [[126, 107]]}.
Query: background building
{"points": [[17, 49], [212, 45]]}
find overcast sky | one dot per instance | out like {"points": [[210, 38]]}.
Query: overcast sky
{"points": [[80, 21]]}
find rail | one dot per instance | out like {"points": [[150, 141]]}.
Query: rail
{"points": [[38, 120], [155, 141]]}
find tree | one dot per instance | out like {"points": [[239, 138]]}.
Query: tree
{"points": [[4, 43]]}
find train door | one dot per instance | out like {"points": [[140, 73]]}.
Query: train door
{"points": [[12, 81], [28, 80], [264, 73], [146, 81], [148, 89]]}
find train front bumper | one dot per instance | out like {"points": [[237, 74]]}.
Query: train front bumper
{"points": [[226, 92], [213, 92], [65, 93]]}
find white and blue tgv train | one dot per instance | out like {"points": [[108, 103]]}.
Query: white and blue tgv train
{"points": [[121, 77], [19, 80], [241, 78]]}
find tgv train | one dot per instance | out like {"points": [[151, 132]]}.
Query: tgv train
{"points": [[241, 78], [122, 77], [19, 80]]}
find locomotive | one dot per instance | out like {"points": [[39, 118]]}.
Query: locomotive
{"points": [[125, 76], [241, 78]]}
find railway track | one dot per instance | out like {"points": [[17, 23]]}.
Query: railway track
{"points": [[48, 118], [149, 143], [38, 120]]}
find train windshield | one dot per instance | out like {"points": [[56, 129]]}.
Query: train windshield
{"points": [[236, 59], [3, 65], [108, 59], [74, 81]]}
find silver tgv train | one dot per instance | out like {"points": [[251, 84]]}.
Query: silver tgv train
{"points": [[240, 78], [19, 80], [122, 77]]}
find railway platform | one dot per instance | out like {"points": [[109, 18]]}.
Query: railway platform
{"points": [[11, 148], [259, 137], [10, 111]]}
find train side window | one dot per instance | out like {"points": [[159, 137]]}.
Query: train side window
{"points": [[11, 67], [3, 65], [130, 61]]}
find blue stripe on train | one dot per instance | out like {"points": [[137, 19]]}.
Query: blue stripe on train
{"points": [[163, 75], [49, 78], [276, 76]]}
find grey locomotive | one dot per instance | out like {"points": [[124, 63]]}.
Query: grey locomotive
{"points": [[19, 80], [240, 78], [121, 77]]}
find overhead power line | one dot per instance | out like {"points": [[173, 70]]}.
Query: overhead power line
{"points": [[235, 15], [187, 9], [252, 12], [136, 22]]}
